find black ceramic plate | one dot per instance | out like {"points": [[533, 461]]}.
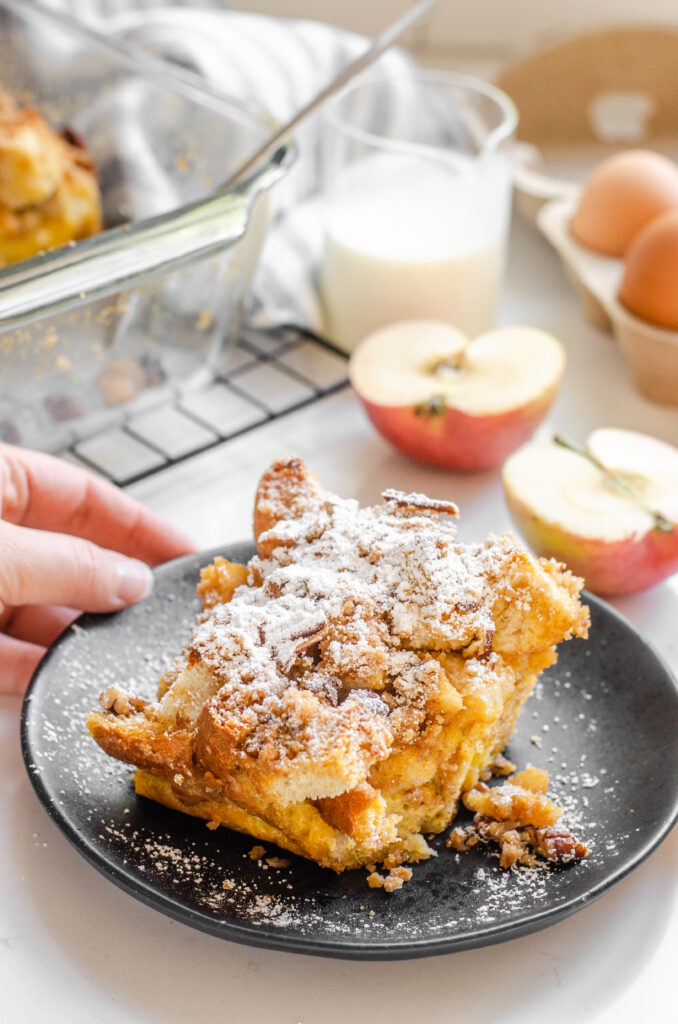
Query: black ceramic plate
{"points": [[602, 722]]}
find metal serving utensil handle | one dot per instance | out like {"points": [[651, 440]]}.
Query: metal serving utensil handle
{"points": [[379, 45], [126, 256]]}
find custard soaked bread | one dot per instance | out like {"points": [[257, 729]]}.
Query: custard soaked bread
{"points": [[341, 692], [49, 193]]}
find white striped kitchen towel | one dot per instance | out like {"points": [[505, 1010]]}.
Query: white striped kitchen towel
{"points": [[276, 64]]}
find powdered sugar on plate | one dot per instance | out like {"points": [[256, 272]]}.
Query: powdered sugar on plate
{"points": [[206, 878]]}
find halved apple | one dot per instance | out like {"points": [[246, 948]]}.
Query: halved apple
{"points": [[609, 511], [455, 403]]}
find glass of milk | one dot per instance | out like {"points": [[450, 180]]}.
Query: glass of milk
{"points": [[417, 189]]}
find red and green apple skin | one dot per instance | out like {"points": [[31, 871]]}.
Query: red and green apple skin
{"points": [[452, 439], [608, 510], [610, 568], [457, 404]]}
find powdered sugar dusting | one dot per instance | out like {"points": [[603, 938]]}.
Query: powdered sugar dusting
{"points": [[404, 564], [365, 587], [393, 578], [209, 873]]}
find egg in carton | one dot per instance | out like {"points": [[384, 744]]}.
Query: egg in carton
{"points": [[580, 101]]}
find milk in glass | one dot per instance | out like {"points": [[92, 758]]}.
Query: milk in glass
{"points": [[410, 238]]}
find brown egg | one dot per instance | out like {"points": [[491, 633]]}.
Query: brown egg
{"points": [[649, 288], [624, 193]]}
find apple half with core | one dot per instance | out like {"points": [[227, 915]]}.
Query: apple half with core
{"points": [[609, 510], [455, 403]]}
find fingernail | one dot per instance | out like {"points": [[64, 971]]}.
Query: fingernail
{"points": [[135, 580]]}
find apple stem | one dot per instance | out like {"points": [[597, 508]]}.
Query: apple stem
{"points": [[660, 520]]}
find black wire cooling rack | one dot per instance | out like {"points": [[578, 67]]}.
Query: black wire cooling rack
{"points": [[267, 374]]}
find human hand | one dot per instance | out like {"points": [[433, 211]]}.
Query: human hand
{"points": [[69, 542]]}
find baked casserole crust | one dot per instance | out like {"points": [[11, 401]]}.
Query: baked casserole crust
{"points": [[340, 693], [49, 193]]}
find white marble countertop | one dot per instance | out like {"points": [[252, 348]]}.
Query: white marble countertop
{"points": [[73, 948]]}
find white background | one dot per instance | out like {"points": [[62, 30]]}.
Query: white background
{"points": [[483, 27], [75, 949]]}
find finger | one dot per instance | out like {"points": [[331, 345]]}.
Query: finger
{"points": [[37, 567], [18, 662], [43, 492], [39, 624]]}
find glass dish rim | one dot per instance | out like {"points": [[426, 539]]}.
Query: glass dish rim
{"points": [[503, 101], [164, 74]]}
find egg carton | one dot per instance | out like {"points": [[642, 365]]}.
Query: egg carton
{"points": [[579, 101], [651, 352]]}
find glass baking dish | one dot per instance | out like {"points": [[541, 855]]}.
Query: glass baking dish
{"points": [[94, 330]]}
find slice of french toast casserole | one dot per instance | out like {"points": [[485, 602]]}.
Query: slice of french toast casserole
{"points": [[342, 691]]}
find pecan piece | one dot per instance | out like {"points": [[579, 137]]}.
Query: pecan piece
{"points": [[513, 848], [118, 702], [556, 844], [481, 647], [461, 839], [301, 642], [287, 650], [414, 502], [489, 828], [72, 137]]}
